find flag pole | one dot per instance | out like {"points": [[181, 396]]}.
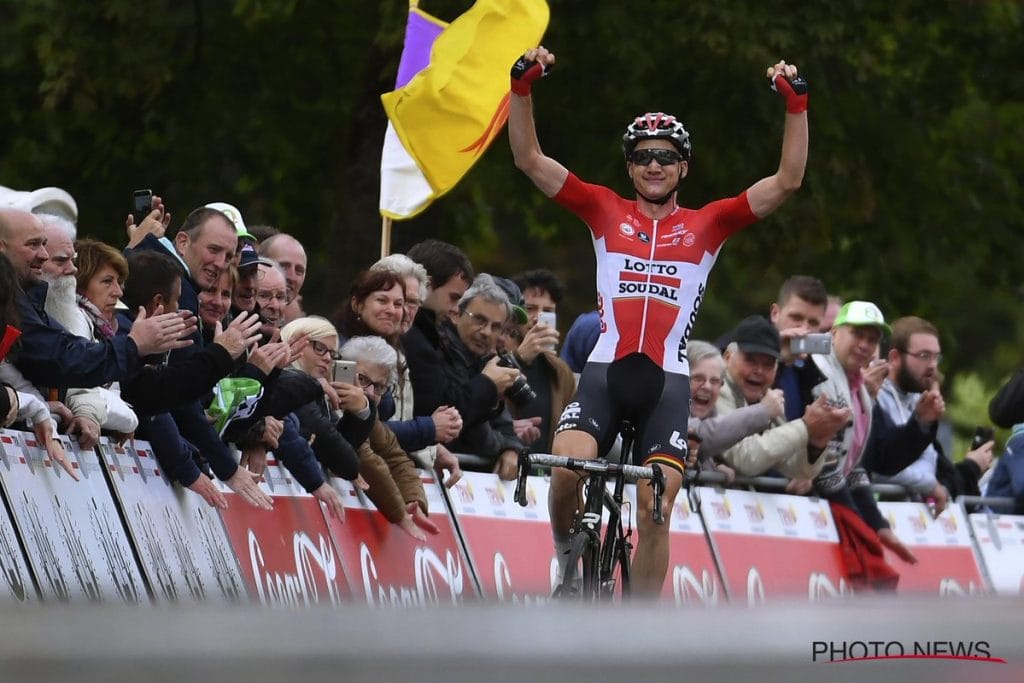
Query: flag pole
{"points": [[385, 236]]}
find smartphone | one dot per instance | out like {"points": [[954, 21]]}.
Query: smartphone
{"points": [[548, 318], [344, 371], [812, 343], [142, 204], [982, 435]]}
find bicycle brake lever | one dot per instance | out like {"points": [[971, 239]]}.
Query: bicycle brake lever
{"points": [[524, 471], [658, 484]]}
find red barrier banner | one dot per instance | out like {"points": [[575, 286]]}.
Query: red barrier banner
{"points": [[180, 540], [286, 554], [693, 579], [1000, 543], [390, 568], [509, 546], [946, 561], [77, 546], [772, 546], [999, 540]]}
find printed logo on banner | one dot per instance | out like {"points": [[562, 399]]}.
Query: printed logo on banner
{"points": [[429, 571], [315, 570], [689, 590]]}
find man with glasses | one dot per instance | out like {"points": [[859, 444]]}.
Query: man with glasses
{"points": [[476, 380], [272, 296], [653, 260], [904, 442]]}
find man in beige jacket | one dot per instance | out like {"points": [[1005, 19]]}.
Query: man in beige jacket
{"points": [[791, 448]]}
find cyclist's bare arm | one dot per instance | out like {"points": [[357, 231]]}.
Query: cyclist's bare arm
{"points": [[546, 173], [767, 194]]}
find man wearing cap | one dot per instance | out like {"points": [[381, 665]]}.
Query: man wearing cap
{"points": [[856, 335], [791, 448]]}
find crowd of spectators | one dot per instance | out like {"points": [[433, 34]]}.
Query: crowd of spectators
{"points": [[197, 341]]}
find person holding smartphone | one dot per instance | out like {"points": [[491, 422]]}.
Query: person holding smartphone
{"points": [[653, 260]]}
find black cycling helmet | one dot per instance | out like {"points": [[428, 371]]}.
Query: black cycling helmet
{"points": [[653, 126]]}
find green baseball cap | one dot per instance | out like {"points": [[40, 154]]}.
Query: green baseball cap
{"points": [[235, 216], [861, 314]]}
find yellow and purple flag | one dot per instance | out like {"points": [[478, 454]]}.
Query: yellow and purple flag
{"points": [[451, 97]]}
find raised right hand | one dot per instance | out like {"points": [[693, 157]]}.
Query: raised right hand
{"points": [[241, 333], [161, 332], [535, 63]]}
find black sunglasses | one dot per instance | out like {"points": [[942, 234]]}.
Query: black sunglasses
{"points": [[664, 157]]}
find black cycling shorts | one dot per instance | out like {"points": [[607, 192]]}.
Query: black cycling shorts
{"points": [[633, 388]]}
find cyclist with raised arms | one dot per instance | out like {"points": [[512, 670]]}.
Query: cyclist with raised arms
{"points": [[653, 260]]}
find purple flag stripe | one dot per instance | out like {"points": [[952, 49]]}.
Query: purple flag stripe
{"points": [[420, 33]]}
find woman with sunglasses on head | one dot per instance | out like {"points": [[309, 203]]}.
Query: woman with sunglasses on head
{"points": [[653, 261], [377, 306]]}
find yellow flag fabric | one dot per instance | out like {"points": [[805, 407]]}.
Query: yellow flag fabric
{"points": [[452, 110]]}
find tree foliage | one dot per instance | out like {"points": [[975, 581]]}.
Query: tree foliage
{"points": [[912, 197]]}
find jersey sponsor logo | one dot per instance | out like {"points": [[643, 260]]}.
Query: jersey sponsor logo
{"points": [[693, 312], [652, 267], [626, 229], [644, 237], [571, 411], [650, 288]]}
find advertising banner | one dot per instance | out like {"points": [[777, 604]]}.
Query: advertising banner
{"points": [[1000, 543], [946, 561], [16, 583], [77, 546], [285, 554], [509, 546], [772, 546], [390, 568], [179, 538], [693, 579]]}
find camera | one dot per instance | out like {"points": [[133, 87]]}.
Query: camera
{"points": [[520, 392], [982, 435], [142, 204]]}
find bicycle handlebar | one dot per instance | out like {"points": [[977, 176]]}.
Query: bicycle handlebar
{"points": [[599, 466], [654, 473]]}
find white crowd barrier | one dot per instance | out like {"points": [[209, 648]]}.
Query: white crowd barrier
{"points": [[125, 534]]}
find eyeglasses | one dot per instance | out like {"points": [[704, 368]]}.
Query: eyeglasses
{"points": [[264, 295], [925, 357], [379, 388], [700, 380], [321, 349], [481, 321], [664, 157]]}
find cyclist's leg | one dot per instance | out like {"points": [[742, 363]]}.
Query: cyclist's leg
{"points": [[650, 562], [664, 443], [581, 430]]}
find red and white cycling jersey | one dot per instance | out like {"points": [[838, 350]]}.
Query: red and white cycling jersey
{"points": [[651, 274]]}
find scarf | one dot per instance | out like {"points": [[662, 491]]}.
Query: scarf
{"points": [[102, 328]]}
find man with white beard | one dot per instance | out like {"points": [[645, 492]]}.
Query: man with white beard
{"points": [[84, 411]]}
